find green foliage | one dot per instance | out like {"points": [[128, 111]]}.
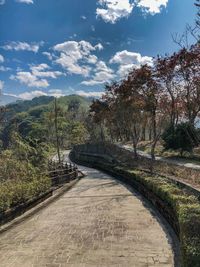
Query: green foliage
{"points": [[20, 181], [79, 133], [183, 137], [28, 139]]}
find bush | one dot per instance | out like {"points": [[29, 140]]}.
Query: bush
{"points": [[183, 137], [20, 181]]}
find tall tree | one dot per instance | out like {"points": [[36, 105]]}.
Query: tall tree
{"points": [[56, 130]]}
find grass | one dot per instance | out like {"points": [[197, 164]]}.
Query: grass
{"points": [[172, 154]]}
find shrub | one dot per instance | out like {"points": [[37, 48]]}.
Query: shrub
{"points": [[20, 181], [183, 137]]}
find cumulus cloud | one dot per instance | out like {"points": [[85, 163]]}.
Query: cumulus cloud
{"points": [[29, 79], [152, 6], [38, 93], [1, 59], [48, 55], [102, 74], [75, 55], [1, 85], [56, 92], [92, 59], [2, 68], [113, 10], [37, 77], [25, 1], [43, 71], [2, 2], [31, 95], [22, 46], [129, 60], [89, 94]]}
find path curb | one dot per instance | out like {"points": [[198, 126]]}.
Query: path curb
{"points": [[55, 195]]}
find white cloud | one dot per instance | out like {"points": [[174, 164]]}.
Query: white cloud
{"points": [[1, 85], [37, 77], [74, 56], [25, 1], [48, 55], [41, 71], [22, 46], [92, 59], [93, 28], [2, 2], [89, 94], [99, 46], [56, 92], [102, 74], [30, 80], [31, 95], [113, 10], [1, 59], [152, 6], [84, 17], [38, 93], [101, 66], [2, 68], [129, 60]]}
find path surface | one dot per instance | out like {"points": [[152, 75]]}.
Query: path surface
{"points": [[98, 223], [179, 162]]}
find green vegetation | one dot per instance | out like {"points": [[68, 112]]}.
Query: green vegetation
{"points": [[29, 137], [183, 137]]}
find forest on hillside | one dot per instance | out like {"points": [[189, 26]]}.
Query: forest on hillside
{"points": [[31, 133]]}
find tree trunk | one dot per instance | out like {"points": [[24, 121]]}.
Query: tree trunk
{"points": [[56, 130], [153, 151]]}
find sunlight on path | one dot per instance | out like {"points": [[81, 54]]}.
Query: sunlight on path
{"points": [[98, 223]]}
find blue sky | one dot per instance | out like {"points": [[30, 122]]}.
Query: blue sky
{"points": [[60, 47]]}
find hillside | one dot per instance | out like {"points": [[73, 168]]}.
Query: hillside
{"points": [[46, 103], [33, 120]]}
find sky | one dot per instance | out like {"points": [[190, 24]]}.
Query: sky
{"points": [[61, 47]]}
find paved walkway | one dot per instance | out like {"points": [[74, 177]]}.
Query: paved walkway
{"points": [[98, 223], [179, 162]]}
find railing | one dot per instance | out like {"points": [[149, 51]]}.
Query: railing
{"points": [[62, 173]]}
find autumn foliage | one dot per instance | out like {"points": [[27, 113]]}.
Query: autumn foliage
{"points": [[151, 99]]}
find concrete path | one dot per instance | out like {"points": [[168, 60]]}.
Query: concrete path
{"points": [[179, 162], [98, 223]]}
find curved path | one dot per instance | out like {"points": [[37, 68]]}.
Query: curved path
{"points": [[98, 223]]}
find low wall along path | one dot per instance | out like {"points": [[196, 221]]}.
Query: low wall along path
{"points": [[97, 223]]}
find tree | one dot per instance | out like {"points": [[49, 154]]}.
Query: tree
{"points": [[183, 138], [167, 79], [188, 70], [56, 130]]}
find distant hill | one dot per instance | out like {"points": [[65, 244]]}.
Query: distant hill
{"points": [[7, 99], [42, 103], [25, 105]]}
